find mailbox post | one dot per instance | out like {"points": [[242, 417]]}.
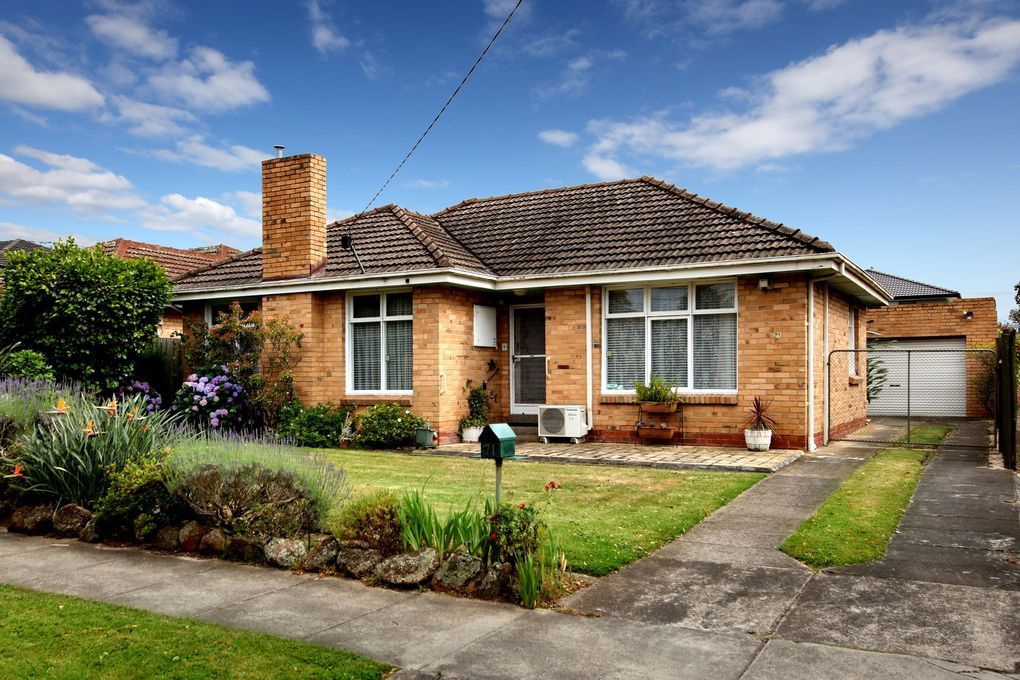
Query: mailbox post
{"points": [[499, 443]]}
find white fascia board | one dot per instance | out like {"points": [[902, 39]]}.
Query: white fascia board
{"points": [[861, 279], [820, 262]]}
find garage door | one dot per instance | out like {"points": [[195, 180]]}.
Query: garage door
{"points": [[938, 379]]}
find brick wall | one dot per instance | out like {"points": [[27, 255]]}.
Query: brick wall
{"points": [[172, 324], [945, 319], [293, 216], [847, 395]]}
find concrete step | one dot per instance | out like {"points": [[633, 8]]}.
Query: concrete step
{"points": [[525, 433]]}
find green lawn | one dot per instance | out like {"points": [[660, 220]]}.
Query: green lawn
{"points": [[856, 522], [604, 517], [53, 636]]}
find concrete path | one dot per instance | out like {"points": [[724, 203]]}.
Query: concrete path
{"points": [[726, 573]]}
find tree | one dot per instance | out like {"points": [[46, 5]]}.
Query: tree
{"points": [[89, 313], [1014, 315]]}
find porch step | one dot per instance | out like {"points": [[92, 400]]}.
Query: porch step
{"points": [[525, 433]]}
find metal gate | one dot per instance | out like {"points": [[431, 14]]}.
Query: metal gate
{"points": [[914, 390]]}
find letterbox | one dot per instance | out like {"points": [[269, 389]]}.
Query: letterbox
{"points": [[498, 441]]}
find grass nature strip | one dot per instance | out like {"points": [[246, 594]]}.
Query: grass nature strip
{"points": [[65, 637], [856, 522]]}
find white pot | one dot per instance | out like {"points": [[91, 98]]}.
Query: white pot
{"points": [[758, 440], [471, 434]]}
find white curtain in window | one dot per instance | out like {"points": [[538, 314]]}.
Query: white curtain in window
{"points": [[399, 355], [715, 352], [625, 353], [669, 350], [366, 356]]}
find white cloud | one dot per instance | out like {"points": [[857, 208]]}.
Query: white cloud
{"points": [[325, 37], [826, 102], [249, 203], [9, 230], [715, 17], [151, 120], [335, 215], [552, 44], [179, 213], [21, 83], [130, 34], [196, 151], [605, 168], [496, 11], [427, 184], [572, 81], [558, 137], [208, 81], [371, 67], [75, 182]]}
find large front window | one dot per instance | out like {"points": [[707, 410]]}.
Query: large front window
{"points": [[685, 334], [381, 342]]}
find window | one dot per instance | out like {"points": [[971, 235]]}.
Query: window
{"points": [[852, 342], [381, 346], [657, 331]]}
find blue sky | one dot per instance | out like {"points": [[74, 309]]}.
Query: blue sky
{"points": [[889, 129]]}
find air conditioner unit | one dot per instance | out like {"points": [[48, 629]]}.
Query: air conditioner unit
{"points": [[561, 421]]}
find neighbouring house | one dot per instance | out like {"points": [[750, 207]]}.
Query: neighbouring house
{"points": [[565, 296], [176, 262], [939, 326], [16, 244]]}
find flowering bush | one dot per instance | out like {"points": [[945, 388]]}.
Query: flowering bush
{"points": [[152, 399], [386, 426], [318, 426], [213, 400], [514, 532]]}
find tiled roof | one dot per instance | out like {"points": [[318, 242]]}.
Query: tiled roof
{"points": [[16, 244], [176, 261], [905, 289], [628, 224]]}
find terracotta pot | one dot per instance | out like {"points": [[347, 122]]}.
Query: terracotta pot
{"points": [[656, 432], [758, 440], [658, 407]]}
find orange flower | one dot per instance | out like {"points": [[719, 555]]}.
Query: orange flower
{"points": [[19, 471], [61, 405], [111, 408], [90, 430], [131, 415]]}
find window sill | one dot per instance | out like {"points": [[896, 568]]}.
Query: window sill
{"points": [[856, 380], [372, 399], [688, 399]]}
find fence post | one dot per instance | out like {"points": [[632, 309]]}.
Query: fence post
{"points": [[1006, 417], [908, 395]]}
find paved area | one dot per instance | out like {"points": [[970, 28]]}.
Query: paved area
{"points": [[726, 573], [670, 457]]}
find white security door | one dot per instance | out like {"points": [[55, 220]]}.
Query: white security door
{"points": [[527, 359]]}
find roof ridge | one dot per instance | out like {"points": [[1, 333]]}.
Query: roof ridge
{"points": [[358, 216], [433, 248], [914, 281], [536, 192], [748, 217], [215, 264]]}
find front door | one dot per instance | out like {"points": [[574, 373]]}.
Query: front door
{"points": [[527, 359]]}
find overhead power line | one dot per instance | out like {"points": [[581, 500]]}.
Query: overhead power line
{"points": [[439, 115]]}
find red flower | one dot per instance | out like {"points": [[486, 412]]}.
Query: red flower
{"points": [[493, 536], [522, 506], [552, 485], [18, 471]]}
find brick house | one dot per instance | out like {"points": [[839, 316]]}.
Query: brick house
{"points": [[176, 262], [564, 296], [938, 324]]}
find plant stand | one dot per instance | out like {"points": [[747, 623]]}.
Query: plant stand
{"points": [[656, 424]]}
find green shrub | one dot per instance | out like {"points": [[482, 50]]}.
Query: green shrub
{"points": [[71, 455], [657, 390], [319, 426], [372, 521], [27, 363], [515, 532], [318, 480], [21, 403], [137, 502], [423, 527], [89, 313], [387, 426]]}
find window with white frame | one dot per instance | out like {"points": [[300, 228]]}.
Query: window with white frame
{"points": [[380, 342], [685, 334]]}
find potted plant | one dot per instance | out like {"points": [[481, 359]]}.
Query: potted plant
{"points": [[758, 435], [474, 422], [347, 431], [658, 396], [655, 431]]}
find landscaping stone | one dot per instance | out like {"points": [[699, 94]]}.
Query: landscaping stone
{"points": [[7, 509], [457, 572], [191, 536], [213, 543], [285, 553], [408, 569], [244, 550], [32, 520], [166, 538], [89, 534], [496, 582], [358, 562], [70, 519], [322, 556]]}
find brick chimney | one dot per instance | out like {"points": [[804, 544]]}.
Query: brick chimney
{"points": [[293, 216]]}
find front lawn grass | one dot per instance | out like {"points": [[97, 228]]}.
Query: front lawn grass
{"points": [[54, 636], [604, 517], [855, 523]]}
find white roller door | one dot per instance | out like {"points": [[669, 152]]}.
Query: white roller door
{"points": [[938, 379]]}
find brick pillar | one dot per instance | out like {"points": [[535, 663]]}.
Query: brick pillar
{"points": [[293, 216]]}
